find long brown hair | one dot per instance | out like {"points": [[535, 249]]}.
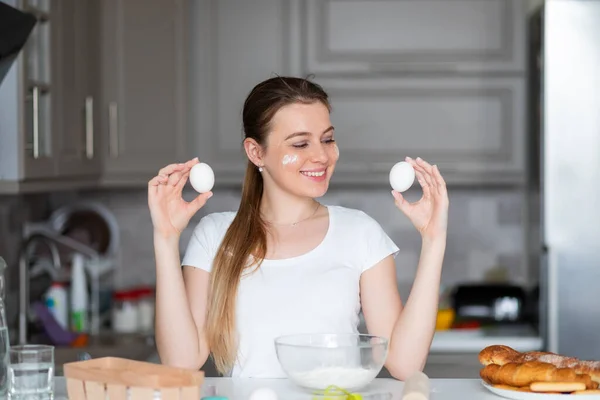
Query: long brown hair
{"points": [[245, 242]]}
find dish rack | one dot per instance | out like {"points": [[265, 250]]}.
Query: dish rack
{"points": [[113, 378]]}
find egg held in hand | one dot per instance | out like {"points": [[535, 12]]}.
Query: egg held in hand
{"points": [[402, 176], [202, 178]]}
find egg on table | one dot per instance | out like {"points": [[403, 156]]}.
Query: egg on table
{"points": [[202, 178], [263, 394], [402, 176]]}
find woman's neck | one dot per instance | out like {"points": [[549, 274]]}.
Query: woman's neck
{"points": [[281, 208]]}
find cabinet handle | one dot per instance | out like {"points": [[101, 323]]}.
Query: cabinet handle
{"points": [[113, 129], [89, 127], [36, 122]]}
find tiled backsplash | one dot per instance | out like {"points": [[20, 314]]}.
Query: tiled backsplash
{"points": [[486, 228]]}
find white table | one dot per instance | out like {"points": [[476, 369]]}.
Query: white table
{"points": [[234, 389]]}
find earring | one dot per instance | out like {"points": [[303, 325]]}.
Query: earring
{"points": [[260, 169]]}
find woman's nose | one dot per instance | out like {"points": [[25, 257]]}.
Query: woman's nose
{"points": [[319, 154]]}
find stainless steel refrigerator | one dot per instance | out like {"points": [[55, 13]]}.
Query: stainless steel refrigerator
{"points": [[567, 99]]}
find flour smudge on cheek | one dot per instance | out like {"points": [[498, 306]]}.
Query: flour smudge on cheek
{"points": [[289, 159]]}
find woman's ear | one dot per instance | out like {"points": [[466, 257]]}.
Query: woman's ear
{"points": [[254, 151]]}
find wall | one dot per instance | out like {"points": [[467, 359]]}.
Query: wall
{"points": [[485, 230]]}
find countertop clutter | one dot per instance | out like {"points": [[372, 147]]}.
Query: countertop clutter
{"points": [[388, 389], [131, 346], [472, 316]]}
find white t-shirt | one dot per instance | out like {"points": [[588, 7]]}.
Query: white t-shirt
{"points": [[317, 292]]}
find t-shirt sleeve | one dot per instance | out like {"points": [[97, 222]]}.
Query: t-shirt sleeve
{"points": [[201, 249], [378, 245]]}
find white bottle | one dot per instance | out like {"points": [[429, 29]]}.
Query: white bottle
{"points": [[79, 295], [57, 302]]}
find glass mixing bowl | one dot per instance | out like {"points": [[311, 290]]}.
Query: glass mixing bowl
{"points": [[316, 362]]}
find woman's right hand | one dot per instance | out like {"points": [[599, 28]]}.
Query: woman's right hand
{"points": [[170, 213]]}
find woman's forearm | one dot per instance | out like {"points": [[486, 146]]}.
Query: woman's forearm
{"points": [[177, 336], [412, 335]]}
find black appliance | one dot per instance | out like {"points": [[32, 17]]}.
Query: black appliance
{"points": [[15, 28], [490, 303]]}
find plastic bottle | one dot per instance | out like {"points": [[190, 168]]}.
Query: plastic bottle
{"points": [[57, 303], [125, 316], [145, 309], [79, 295]]}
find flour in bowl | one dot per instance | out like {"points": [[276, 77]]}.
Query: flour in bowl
{"points": [[343, 377]]}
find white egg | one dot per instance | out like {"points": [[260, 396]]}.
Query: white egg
{"points": [[263, 394], [202, 178], [402, 176]]}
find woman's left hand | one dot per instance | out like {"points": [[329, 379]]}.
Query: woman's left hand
{"points": [[430, 213]]}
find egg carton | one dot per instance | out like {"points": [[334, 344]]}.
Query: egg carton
{"points": [[113, 378]]}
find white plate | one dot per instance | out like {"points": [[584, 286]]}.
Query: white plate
{"points": [[513, 394]]}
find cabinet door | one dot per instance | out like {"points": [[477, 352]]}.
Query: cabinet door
{"points": [[78, 145], [39, 73], [473, 129], [143, 105], [408, 36], [237, 45]]}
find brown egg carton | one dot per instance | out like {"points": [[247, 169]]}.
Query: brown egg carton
{"points": [[113, 378]]}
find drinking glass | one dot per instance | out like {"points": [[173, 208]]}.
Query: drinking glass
{"points": [[31, 372]]}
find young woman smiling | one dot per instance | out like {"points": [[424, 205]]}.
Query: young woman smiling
{"points": [[276, 265]]}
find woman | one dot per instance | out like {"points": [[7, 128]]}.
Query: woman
{"points": [[284, 263]]}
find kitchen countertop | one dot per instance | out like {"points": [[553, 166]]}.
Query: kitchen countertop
{"points": [[467, 340], [466, 343], [519, 337], [132, 346], [388, 389]]}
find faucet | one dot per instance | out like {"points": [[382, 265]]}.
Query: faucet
{"points": [[52, 240]]}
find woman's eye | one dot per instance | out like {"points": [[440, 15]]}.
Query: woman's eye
{"points": [[305, 144]]}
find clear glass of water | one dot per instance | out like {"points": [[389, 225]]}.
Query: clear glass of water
{"points": [[31, 372]]}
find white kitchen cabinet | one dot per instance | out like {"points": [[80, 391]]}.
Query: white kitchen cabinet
{"points": [[78, 146], [143, 101], [472, 128], [43, 137], [408, 36], [465, 119], [28, 114], [97, 97]]}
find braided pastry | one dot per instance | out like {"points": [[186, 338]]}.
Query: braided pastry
{"points": [[500, 355], [524, 374]]}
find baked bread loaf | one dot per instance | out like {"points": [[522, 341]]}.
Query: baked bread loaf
{"points": [[500, 355], [524, 374]]}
